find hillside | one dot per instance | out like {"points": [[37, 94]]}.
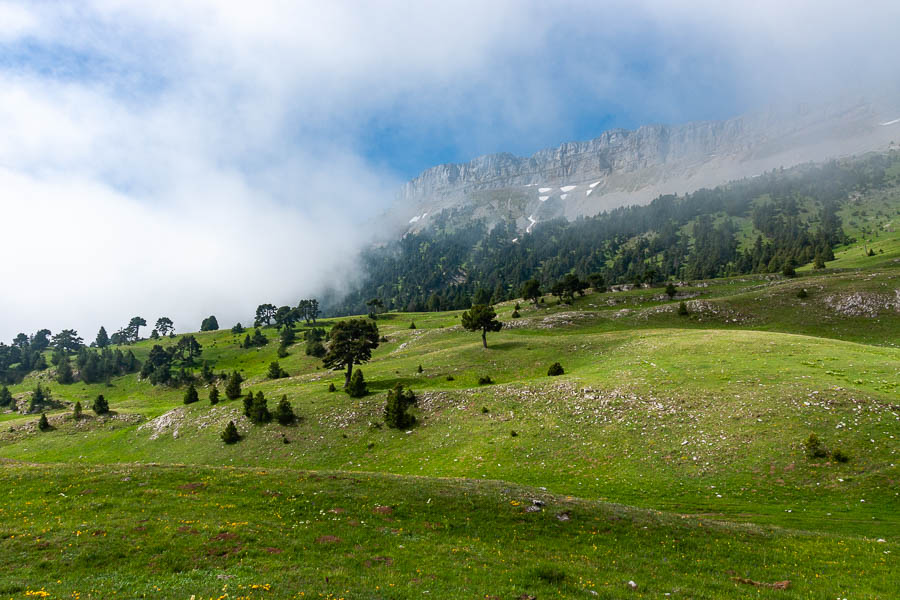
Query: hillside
{"points": [[791, 217], [662, 427]]}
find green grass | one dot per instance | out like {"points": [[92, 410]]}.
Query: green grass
{"points": [[660, 422]]}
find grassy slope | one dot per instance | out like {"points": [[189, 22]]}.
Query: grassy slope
{"points": [[700, 415]]}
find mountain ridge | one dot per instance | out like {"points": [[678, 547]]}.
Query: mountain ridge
{"points": [[621, 167]]}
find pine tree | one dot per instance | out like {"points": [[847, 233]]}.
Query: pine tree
{"points": [[233, 387], [398, 402], [275, 371], [670, 290], [43, 423], [259, 412], [284, 414], [100, 407], [5, 396], [38, 397], [213, 395], [357, 387], [683, 309], [481, 317], [102, 340], [555, 369], [191, 395], [230, 435], [76, 411], [248, 403], [64, 373]]}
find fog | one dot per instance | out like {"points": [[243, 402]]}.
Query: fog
{"points": [[184, 160]]}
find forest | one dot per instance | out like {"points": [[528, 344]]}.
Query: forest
{"points": [[771, 223]]}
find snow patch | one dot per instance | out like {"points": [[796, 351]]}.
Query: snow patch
{"points": [[588, 193], [544, 190], [891, 122], [543, 198], [595, 184], [533, 221], [568, 188], [515, 240], [563, 196], [414, 219]]}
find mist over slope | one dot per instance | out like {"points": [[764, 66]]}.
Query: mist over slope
{"points": [[622, 167]]}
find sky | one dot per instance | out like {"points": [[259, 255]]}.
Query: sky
{"points": [[187, 158]]}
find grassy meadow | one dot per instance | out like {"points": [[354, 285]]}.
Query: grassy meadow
{"points": [[670, 454]]}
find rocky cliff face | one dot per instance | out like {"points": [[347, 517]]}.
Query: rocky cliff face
{"points": [[622, 167]]}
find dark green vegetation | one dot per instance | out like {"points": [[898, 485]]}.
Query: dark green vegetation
{"points": [[767, 224], [752, 440]]}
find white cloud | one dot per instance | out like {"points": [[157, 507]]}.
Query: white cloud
{"points": [[187, 158]]}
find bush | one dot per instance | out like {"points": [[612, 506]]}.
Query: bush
{"points": [[76, 411], [802, 293], [420, 369], [451, 378], [284, 414], [671, 290], [398, 402], [100, 406], [485, 380], [357, 387], [213, 395], [789, 271], [485, 410], [412, 325], [551, 575], [5, 396], [43, 423], [514, 433], [237, 329], [814, 447], [683, 309], [515, 314], [191, 395], [282, 351], [840, 456], [555, 369], [231, 435], [331, 387]]}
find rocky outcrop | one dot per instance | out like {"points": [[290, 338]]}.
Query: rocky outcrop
{"points": [[623, 167]]}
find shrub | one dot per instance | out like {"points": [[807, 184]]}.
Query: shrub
{"points": [[840, 456], [64, 373], [555, 369], [331, 387], [814, 447], [357, 387], [284, 414], [802, 293], [412, 325], [76, 411], [514, 433], [451, 378], [233, 387], [237, 329], [206, 372], [398, 402], [420, 369], [485, 380], [515, 314], [282, 351], [230, 435], [789, 271], [683, 309], [551, 575], [485, 410], [213, 395], [100, 406], [670, 290], [43, 423], [191, 395]]}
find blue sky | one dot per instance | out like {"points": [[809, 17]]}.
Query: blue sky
{"points": [[252, 132]]}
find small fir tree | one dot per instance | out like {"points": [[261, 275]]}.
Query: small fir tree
{"points": [[100, 406], [76, 411], [357, 387], [213, 395], [64, 373], [233, 387], [5, 396], [555, 369], [275, 371], [671, 290], [395, 410], [43, 423], [682, 309], [284, 414], [231, 435], [191, 395], [248, 403], [259, 411]]}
